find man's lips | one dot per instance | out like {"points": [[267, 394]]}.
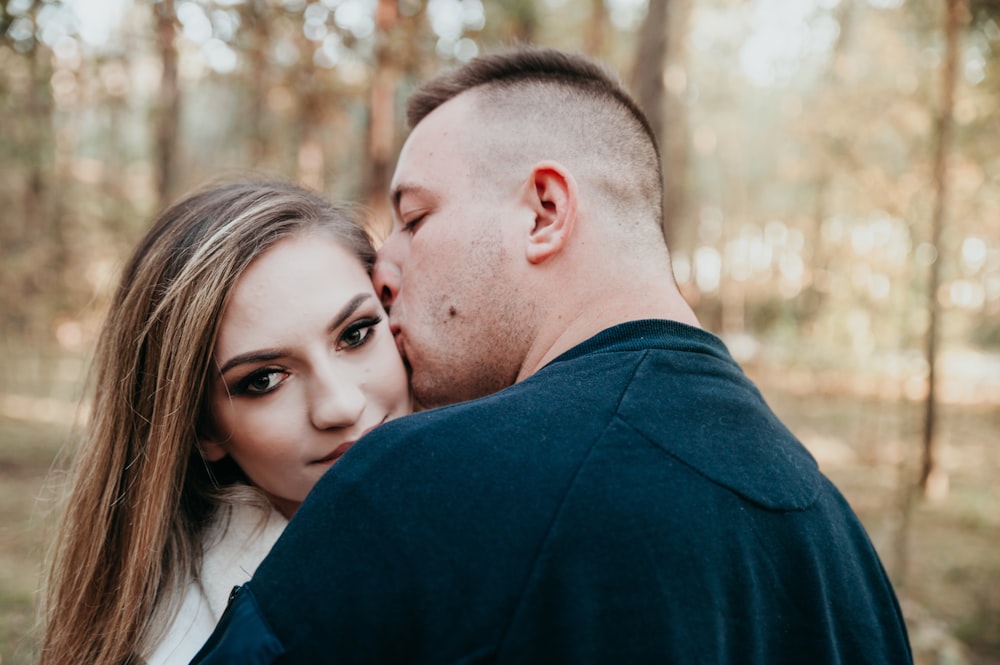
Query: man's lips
{"points": [[397, 336]]}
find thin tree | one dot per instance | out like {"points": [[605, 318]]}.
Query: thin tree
{"points": [[650, 60], [168, 113], [659, 81], [595, 30], [33, 246], [311, 156], [257, 16], [933, 481], [521, 21], [382, 111]]}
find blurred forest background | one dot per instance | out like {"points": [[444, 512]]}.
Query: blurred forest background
{"points": [[833, 178]]}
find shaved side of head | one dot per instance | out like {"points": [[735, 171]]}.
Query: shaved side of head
{"points": [[537, 104]]}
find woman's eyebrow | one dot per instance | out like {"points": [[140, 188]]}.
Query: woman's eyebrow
{"points": [[347, 310], [251, 357], [258, 356]]}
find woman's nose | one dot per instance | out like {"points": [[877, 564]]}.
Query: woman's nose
{"points": [[336, 403]]}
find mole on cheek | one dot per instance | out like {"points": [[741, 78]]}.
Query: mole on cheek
{"points": [[451, 311]]}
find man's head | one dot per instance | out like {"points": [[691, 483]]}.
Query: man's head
{"points": [[533, 104], [524, 171]]}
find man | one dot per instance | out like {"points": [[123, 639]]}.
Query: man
{"points": [[615, 490]]}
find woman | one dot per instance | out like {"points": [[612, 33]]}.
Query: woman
{"points": [[244, 352]]}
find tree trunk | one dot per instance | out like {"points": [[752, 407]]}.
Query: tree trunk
{"points": [[256, 16], [650, 60], [382, 115], [595, 30], [168, 116], [675, 129], [812, 299], [39, 114], [659, 82], [933, 479], [522, 24], [311, 155], [27, 240]]}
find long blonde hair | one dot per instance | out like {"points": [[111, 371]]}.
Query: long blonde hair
{"points": [[139, 493]]}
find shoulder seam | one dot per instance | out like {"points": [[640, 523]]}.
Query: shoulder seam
{"points": [[562, 503]]}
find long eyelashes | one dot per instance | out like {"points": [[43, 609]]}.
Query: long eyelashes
{"points": [[358, 333], [259, 382], [265, 380], [412, 225]]}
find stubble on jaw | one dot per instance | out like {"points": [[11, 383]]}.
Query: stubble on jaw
{"points": [[486, 324]]}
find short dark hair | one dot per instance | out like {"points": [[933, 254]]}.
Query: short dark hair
{"points": [[521, 65], [593, 112]]}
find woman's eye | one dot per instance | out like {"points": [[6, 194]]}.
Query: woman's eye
{"points": [[260, 383], [359, 333]]}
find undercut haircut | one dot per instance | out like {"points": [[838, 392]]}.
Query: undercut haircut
{"points": [[557, 105], [534, 65]]}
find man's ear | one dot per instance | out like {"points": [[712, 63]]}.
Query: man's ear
{"points": [[552, 194]]}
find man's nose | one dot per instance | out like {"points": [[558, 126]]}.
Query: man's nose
{"points": [[386, 277]]}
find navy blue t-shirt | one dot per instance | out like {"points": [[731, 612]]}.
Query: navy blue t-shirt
{"points": [[634, 501]]}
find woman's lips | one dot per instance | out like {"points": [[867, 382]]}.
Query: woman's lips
{"points": [[345, 446], [336, 454]]}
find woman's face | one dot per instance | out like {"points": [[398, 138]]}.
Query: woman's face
{"points": [[307, 364]]}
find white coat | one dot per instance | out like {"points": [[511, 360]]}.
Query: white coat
{"points": [[234, 545]]}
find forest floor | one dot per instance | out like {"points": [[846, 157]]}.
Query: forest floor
{"points": [[942, 553], [942, 550]]}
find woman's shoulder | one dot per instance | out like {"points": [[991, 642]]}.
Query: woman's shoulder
{"points": [[237, 540]]}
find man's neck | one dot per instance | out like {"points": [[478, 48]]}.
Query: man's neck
{"points": [[602, 310]]}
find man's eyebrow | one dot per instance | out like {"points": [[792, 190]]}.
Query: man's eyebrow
{"points": [[401, 190], [338, 320]]}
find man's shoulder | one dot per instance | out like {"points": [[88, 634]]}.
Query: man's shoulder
{"points": [[534, 434], [571, 399], [596, 367], [588, 387]]}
